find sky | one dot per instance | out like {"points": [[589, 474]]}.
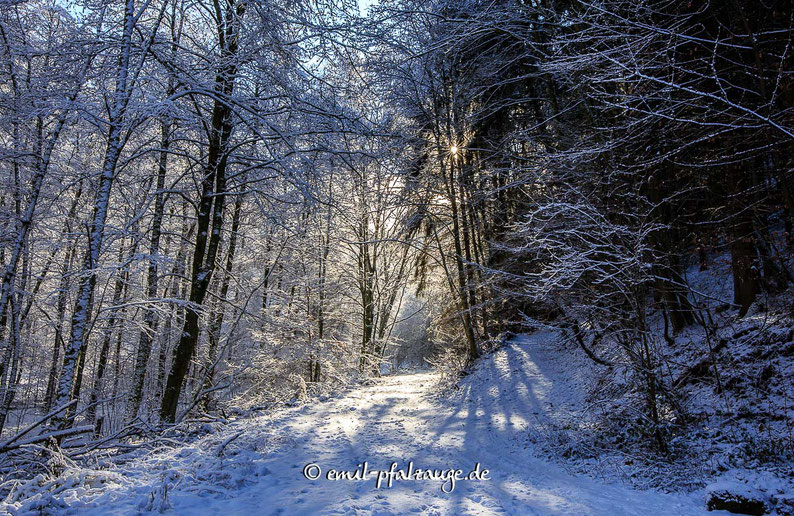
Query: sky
{"points": [[363, 5]]}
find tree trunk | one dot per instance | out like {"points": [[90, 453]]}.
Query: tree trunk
{"points": [[150, 314], [212, 200], [107, 336], [463, 287], [744, 263], [217, 322], [63, 291], [75, 350]]}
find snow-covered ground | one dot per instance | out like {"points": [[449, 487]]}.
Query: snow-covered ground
{"points": [[255, 466]]}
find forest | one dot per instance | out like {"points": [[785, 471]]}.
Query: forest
{"points": [[219, 212]]}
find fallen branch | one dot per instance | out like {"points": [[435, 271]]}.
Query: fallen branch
{"points": [[60, 434], [225, 443], [577, 333], [5, 445], [701, 369], [198, 397]]}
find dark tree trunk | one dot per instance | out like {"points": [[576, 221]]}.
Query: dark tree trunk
{"points": [[211, 204], [217, 321]]}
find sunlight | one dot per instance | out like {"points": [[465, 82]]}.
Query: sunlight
{"points": [[333, 256]]}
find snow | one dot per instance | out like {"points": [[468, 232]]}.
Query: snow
{"points": [[255, 465], [741, 430]]}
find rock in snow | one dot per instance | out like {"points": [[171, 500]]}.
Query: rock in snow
{"points": [[737, 498]]}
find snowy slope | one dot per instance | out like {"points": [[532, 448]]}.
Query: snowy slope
{"points": [[254, 466]]}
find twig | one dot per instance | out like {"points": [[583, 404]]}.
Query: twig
{"points": [[225, 443]]}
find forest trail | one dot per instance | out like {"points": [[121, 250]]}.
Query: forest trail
{"points": [[255, 466]]}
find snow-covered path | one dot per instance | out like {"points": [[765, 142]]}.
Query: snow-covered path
{"points": [[395, 420]]}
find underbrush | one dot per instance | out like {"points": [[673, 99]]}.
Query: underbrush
{"points": [[724, 411]]}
